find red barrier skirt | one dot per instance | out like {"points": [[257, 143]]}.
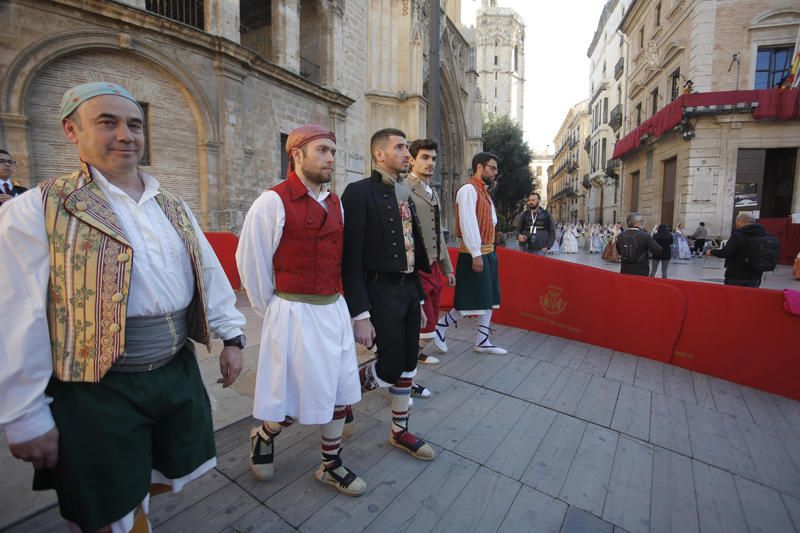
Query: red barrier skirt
{"points": [[224, 245], [626, 313], [738, 334], [741, 335]]}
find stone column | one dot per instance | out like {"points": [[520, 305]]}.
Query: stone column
{"points": [[701, 52], [338, 127], [222, 18], [286, 34]]}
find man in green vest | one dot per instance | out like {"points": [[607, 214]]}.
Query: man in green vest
{"points": [[100, 388]]}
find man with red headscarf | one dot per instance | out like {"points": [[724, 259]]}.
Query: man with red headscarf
{"points": [[290, 262]]}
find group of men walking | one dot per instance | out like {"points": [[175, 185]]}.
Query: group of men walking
{"points": [[100, 388]]}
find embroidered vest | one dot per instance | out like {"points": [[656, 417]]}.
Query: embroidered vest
{"points": [[309, 258], [90, 274], [483, 210]]}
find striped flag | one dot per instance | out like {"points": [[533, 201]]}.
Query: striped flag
{"points": [[794, 75]]}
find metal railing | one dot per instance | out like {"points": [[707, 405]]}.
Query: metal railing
{"points": [[258, 40], [619, 68], [189, 12], [615, 120], [309, 69]]}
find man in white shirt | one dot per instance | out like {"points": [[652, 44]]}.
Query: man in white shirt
{"points": [[8, 188], [290, 262], [477, 281], [99, 387]]}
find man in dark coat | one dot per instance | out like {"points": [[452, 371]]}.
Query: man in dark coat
{"points": [[633, 246], [383, 249], [8, 187], [737, 270], [535, 231]]}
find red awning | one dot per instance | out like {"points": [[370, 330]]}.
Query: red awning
{"points": [[773, 104]]}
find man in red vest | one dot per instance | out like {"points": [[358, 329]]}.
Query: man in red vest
{"points": [[477, 283], [290, 263]]}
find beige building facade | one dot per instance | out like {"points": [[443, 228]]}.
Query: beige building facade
{"points": [[566, 197], [542, 160], [607, 54], [500, 40], [719, 160], [223, 81]]}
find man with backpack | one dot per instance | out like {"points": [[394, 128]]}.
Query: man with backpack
{"points": [[634, 246], [749, 252]]}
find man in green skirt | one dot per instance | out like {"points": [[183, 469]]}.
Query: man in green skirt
{"points": [[99, 387], [477, 284]]}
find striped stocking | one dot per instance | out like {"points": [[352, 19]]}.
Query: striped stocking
{"points": [[401, 392]]}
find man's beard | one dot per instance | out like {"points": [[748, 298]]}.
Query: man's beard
{"points": [[324, 176]]}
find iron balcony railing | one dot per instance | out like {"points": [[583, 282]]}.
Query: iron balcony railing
{"points": [[615, 120], [189, 12], [309, 70], [258, 40], [619, 68]]}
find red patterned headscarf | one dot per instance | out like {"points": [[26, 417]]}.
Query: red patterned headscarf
{"points": [[303, 135]]}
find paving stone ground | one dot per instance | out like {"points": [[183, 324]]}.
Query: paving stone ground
{"points": [[555, 436]]}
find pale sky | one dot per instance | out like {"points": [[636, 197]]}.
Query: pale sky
{"points": [[557, 35]]}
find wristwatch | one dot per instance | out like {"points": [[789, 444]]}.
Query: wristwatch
{"points": [[240, 341]]}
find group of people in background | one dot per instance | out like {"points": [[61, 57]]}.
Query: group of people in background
{"points": [[749, 252]]}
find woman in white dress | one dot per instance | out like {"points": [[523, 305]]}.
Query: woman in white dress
{"points": [[596, 244], [684, 251], [556, 248], [570, 245]]}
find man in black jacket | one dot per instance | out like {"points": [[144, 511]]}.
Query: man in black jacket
{"points": [[8, 188], [633, 246], [383, 249], [737, 270], [534, 226]]}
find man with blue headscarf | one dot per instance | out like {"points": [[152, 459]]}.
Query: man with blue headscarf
{"points": [[99, 387]]}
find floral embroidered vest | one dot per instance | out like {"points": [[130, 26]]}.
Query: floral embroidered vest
{"points": [[90, 274], [483, 213]]}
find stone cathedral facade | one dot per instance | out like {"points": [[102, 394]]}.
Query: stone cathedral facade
{"points": [[223, 81]]}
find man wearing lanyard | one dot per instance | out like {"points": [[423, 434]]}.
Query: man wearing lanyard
{"points": [[535, 227]]}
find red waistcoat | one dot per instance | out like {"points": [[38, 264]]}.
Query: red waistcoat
{"points": [[309, 258]]}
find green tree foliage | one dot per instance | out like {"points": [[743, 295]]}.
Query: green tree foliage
{"points": [[503, 137]]}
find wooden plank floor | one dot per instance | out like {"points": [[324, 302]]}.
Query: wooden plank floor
{"points": [[555, 436]]}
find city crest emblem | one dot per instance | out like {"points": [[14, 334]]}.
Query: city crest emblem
{"points": [[552, 302]]}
